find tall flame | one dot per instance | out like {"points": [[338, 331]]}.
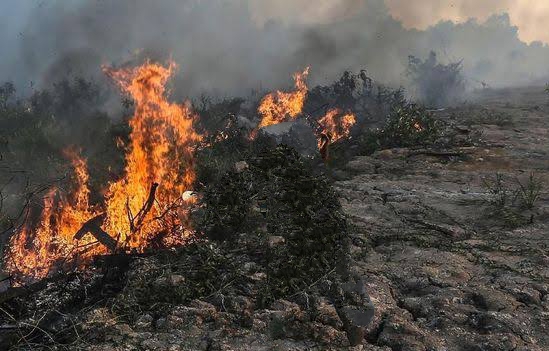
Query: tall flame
{"points": [[279, 106], [145, 206], [161, 151]]}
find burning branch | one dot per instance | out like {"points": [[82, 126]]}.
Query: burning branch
{"points": [[137, 221]]}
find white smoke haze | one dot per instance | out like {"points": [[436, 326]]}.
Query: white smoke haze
{"points": [[228, 47]]}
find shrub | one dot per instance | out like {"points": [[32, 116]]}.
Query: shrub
{"points": [[436, 84], [408, 125]]}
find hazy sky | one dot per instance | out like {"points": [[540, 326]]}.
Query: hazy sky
{"points": [[232, 46], [530, 16]]}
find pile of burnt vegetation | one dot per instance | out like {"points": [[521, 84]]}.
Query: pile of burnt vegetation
{"points": [[269, 260]]}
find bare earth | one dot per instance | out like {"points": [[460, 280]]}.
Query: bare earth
{"points": [[443, 272]]}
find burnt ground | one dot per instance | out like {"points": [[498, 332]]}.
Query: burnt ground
{"points": [[444, 269]]}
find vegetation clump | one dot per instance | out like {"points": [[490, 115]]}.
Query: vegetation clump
{"points": [[437, 84], [513, 200], [288, 220], [408, 125]]}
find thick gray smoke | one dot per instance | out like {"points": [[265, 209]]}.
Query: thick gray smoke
{"points": [[222, 48]]}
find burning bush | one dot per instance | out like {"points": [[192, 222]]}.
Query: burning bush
{"points": [[436, 84], [143, 208]]}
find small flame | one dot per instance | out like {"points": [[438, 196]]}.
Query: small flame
{"points": [[282, 106], [335, 125]]}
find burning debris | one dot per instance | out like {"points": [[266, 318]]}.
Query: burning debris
{"points": [[282, 106], [285, 107], [334, 126], [145, 206], [36, 250]]}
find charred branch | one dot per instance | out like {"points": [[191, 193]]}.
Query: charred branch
{"points": [[93, 227], [137, 221]]}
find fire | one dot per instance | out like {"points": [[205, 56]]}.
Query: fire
{"points": [[282, 106], [33, 252], [145, 207], [161, 152], [335, 126]]}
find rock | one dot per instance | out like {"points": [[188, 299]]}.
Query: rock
{"points": [[275, 241], [189, 195], [176, 280], [144, 322], [355, 320], [527, 295], [358, 312], [360, 317], [327, 314], [493, 300], [398, 333], [151, 344], [241, 166], [259, 276]]}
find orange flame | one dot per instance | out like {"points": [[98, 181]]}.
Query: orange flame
{"points": [[160, 154], [161, 151], [32, 253], [282, 106], [336, 125]]}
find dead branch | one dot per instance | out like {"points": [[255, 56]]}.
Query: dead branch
{"points": [[93, 227], [325, 146]]}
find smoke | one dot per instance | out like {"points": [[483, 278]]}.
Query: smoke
{"points": [[528, 15], [228, 47]]}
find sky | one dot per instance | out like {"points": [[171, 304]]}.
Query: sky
{"points": [[530, 16], [234, 46]]}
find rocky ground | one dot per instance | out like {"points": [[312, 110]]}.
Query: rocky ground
{"points": [[444, 269], [443, 246]]}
